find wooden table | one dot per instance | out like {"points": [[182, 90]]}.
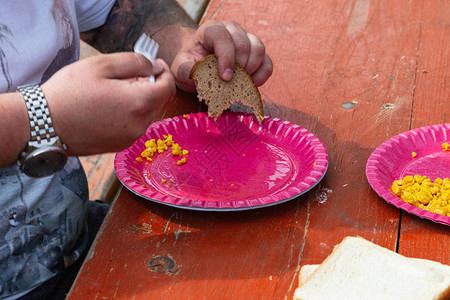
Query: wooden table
{"points": [[391, 60]]}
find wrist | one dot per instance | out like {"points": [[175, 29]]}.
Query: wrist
{"points": [[44, 154], [14, 128]]}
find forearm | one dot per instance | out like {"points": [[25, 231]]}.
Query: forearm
{"points": [[164, 20], [14, 127]]}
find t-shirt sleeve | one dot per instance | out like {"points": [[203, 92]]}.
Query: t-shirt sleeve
{"points": [[92, 13]]}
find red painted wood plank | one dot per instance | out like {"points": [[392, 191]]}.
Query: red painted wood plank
{"points": [[420, 238], [326, 54], [197, 242]]}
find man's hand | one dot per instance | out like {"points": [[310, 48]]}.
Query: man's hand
{"points": [[106, 102], [231, 43]]}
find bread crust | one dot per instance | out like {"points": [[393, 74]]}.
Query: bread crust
{"points": [[445, 295]]}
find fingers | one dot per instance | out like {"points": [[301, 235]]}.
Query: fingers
{"points": [[132, 71], [241, 41], [127, 65], [231, 43], [215, 37], [141, 88], [257, 54], [264, 71], [181, 69], [158, 68], [164, 85]]}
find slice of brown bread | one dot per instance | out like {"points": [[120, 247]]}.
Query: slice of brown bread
{"points": [[219, 94]]}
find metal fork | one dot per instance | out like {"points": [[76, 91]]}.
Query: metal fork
{"points": [[149, 48]]}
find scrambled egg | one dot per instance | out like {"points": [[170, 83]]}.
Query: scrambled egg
{"points": [[176, 150], [420, 191], [446, 147], [181, 161], [159, 146]]}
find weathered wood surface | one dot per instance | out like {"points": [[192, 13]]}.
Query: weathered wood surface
{"points": [[391, 59]]}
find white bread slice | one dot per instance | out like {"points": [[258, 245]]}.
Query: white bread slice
{"points": [[219, 94], [359, 269], [305, 272]]}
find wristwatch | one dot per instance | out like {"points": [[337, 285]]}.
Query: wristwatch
{"points": [[45, 154]]}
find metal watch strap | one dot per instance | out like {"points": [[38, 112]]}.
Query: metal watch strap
{"points": [[42, 131]]}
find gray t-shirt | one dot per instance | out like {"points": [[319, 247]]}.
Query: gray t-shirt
{"points": [[42, 225], [42, 221]]}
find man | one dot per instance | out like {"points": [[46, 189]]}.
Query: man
{"points": [[96, 105]]}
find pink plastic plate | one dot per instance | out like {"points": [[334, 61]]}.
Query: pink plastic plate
{"points": [[234, 163], [393, 160]]}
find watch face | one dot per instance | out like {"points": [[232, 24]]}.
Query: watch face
{"points": [[44, 162]]}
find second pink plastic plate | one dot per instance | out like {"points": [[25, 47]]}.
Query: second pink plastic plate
{"points": [[234, 163], [393, 160]]}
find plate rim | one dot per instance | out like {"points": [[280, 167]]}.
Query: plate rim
{"points": [[321, 168]]}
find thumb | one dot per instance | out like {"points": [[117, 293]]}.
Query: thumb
{"points": [[181, 69], [125, 65]]}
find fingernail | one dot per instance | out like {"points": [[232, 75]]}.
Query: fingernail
{"points": [[227, 74]]}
